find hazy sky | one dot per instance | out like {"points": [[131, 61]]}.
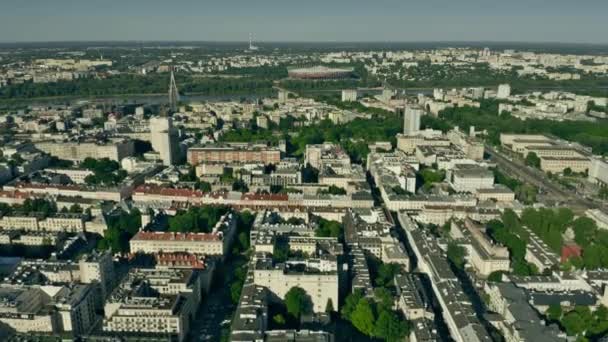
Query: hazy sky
{"points": [[305, 20]]}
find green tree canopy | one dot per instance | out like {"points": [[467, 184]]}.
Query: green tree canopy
{"points": [[533, 160], [390, 326], [298, 302], [456, 254], [363, 317]]}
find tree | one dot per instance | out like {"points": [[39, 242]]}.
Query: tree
{"points": [[390, 327], [584, 230], [243, 241], [329, 307], [75, 209], [240, 185], [363, 317], [203, 186], [430, 176], [279, 319], [190, 176], [511, 221], [328, 228], [526, 193], [567, 171], [105, 171], [386, 274], [554, 312], [235, 291], [121, 228], [599, 326], [332, 190], [456, 254], [495, 277], [603, 193], [280, 252], [38, 205], [297, 302], [196, 219], [310, 174], [350, 303], [593, 255], [533, 160], [574, 323], [384, 298]]}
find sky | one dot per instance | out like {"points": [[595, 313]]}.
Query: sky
{"points": [[566, 21]]}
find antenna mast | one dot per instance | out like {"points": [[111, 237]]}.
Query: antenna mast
{"points": [[173, 93]]}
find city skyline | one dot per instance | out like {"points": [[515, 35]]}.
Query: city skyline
{"points": [[303, 171], [313, 21]]}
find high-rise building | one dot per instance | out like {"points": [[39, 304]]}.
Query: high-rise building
{"points": [[98, 267], [387, 94], [164, 139], [349, 95], [283, 96], [411, 120], [504, 91]]}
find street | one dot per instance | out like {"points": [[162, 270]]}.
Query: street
{"points": [[539, 179]]}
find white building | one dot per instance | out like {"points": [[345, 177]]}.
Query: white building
{"points": [[349, 95], [79, 151], [164, 139], [217, 242], [470, 178], [48, 309], [318, 277], [598, 171], [142, 304], [411, 120], [504, 91]]}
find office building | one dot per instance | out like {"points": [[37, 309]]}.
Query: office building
{"points": [[234, 154], [349, 95], [504, 91], [164, 139], [79, 151], [411, 120]]}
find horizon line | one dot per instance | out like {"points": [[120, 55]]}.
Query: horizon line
{"points": [[139, 41]]}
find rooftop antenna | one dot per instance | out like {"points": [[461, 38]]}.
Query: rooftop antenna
{"points": [[173, 93]]}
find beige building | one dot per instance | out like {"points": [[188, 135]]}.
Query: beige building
{"points": [[71, 223], [516, 142], [485, 256], [75, 175], [134, 308], [498, 193], [79, 151], [164, 139], [408, 143], [161, 300], [48, 309], [318, 277], [98, 268], [215, 243], [470, 178], [327, 154], [598, 171], [520, 321], [554, 151], [232, 154], [559, 164]]}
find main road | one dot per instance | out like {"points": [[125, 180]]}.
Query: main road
{"points": [[537, 178]]}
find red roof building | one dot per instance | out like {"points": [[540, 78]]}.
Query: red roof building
{"points": [[570, 250]]}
